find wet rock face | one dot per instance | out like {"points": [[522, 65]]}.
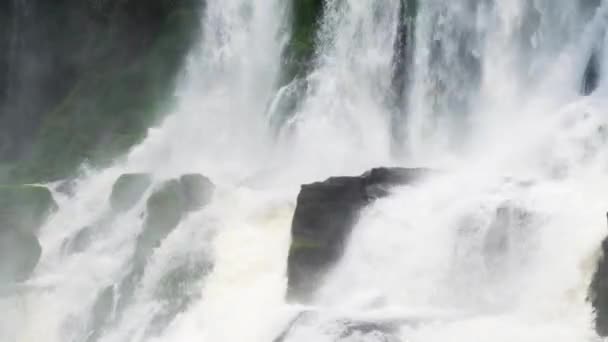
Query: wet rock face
{"points": [[323, 220], [178, 290], [197, 191], [19, 255], [168, 205], [591, 75], [598, 292], [84, 79], [25, 207], [341, 329], [128, 190]]}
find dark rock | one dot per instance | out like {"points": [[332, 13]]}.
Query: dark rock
{"points": [[343, 329], [83, 80], [176, 291], [168, 204], [19, 255], [101, 313], [164, 210], [25, 207], [598, 291], [402, 70], [323, 220], [197, 190], [591, 75], [67, 187], [128, 190], [80, 241]]}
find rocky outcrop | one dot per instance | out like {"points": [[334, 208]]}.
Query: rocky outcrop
{"points": [[128, 190], [83, 80], [197, 191], [402, 68], [598, 292], [178, 289], [168, 204], [344, 329], [19, 255], [591, 75], [323, 220], [23, 209]]}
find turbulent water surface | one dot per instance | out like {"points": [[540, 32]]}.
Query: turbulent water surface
{"points": [[496, 101]]}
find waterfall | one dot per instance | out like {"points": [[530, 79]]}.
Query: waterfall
{"points": [[504, 99]]}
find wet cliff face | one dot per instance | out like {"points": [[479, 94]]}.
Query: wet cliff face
{"points": [[84, 79]]}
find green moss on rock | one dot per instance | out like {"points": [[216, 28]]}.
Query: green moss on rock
{"points": [[299, 53], [299, 243]]}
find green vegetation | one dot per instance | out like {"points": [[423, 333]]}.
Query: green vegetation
{"points": [[122, 89], [299, 53]]}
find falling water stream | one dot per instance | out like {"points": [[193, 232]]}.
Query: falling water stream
{"points": [[498, 245]]}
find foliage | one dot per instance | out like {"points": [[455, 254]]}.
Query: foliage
{"points": [[133, 55]]}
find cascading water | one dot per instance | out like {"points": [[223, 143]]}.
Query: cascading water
{"points": [[498, 245], [346, 103]]}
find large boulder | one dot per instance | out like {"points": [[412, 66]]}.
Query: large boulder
{"points": [[128, 190], [19, 255], [164, 210], [25, 207], [598, 292], [197, 191], [324, 217], [169, 203]]}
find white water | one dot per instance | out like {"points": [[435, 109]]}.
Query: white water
{"points": [[520, 136]]}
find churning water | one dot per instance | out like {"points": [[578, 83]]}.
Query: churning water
{"points": [[499, 245]]}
